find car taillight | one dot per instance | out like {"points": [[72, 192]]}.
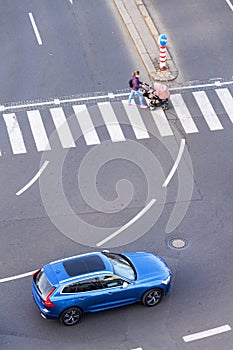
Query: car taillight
{"points": [[47, 302]]}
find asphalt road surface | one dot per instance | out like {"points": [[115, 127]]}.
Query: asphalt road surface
{"points": [[36, 224], [199, 36], [200, 269], [70, 49]]}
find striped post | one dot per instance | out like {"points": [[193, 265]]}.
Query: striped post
{"points": [[162, 40]]}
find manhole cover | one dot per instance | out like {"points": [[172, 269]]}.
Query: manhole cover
{"points": [[177, 243]]}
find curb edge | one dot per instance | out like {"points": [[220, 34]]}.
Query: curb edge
{"points": [[130, 21]]}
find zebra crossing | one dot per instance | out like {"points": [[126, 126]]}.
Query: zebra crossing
{"points": [[136, 118], [183, 114]]}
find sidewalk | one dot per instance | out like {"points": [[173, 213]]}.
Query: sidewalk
{"points": [[145, 37]]}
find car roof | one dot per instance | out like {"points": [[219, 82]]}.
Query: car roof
{"points": [[76, 266]]}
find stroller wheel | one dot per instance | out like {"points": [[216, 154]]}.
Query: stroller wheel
{"points": [[152, 106], [164, 107]]}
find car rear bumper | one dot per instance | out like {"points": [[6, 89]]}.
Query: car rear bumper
{"points": [[44, 312]]}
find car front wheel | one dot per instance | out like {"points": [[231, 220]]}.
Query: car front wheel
{"points": [[152, 297], [71, 316]]}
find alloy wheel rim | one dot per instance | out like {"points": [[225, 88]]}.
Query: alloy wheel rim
{"points": [[71, 317], [153, 298]]}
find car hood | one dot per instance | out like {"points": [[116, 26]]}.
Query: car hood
{"points": [[148, 265]]}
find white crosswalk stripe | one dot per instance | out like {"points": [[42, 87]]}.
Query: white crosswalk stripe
{"points": [[161, 122], [183, 114], [15, 134], [111, 121], [132, 115], [227, 101], [207, 110], [62, 127], [136, 121], [86, 125], [38, 130]]}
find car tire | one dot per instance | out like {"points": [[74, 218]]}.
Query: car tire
{"points": [[152, 297], [71, 316]]}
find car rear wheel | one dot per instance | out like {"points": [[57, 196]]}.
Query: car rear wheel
{"points": [[152, 297], [71, 316]]}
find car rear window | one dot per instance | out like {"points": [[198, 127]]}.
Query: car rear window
{"points": [[43, 284], [83, 265]]}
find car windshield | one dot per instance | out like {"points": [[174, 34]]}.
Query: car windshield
{"points": [[121, 265]]}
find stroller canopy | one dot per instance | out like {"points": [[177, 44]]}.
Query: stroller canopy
{"points": [[161, 91]]}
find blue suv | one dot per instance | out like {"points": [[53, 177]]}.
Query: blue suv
{"points": [[68, 288]]}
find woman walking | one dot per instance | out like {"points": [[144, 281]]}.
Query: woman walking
{"points": [[135, 91]]}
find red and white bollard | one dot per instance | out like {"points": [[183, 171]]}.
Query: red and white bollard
{"points": [[162, 40], [162, 58]]}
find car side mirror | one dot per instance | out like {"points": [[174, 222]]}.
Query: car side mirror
{"points": [[125, 285]]}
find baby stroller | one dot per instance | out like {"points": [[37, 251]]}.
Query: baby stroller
{"points": [[158, 95]]}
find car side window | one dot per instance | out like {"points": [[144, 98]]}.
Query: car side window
{"points": [[83, 286], [89, 285], [72, 288], [111, 281]]}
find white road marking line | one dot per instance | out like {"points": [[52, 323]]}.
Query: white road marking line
{"points": [[227, 101], [207, 333], [67, 100], [31, 182], [111, 121], [34, 26], [62, 127], [132, 221], [161, 122], [216, 83], [38, 130], [138, 349], [80, 99], [207, 110], [136, 120], [175, 165], [8, 279], [229, 4], [183, 114], [15, 134], [86, 124]]}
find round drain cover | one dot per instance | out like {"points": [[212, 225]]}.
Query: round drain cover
{"points": [[177, 243]]}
